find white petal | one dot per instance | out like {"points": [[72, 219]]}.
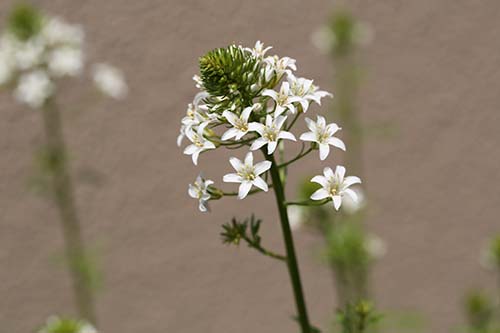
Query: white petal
{"points": [[332, 128], [310, 124], [246, 113], [244, 189], [328, 172], [256, 127], [271, 147], [189, 150], [324, 150], [323, 181], [232, 178], [249, 159], [308, 136], [193, 193], [257, 144], [321, 121], [195, 156], [260, 183], [320, 194], [352, 194], [336, 143], [279, 110], [279, 121], [340, 172], [351, 180], [236, 163], [262, 167], [202, 206], [286, 135], [271, 93], [231, 117], [337, 201]]}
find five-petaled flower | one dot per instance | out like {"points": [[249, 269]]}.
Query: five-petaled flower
{"points": [[259, 50], [199, 191], [322, 134], [270, 133], [335, 186], [247, 174], [284, 100], [239, 123], [199, 142]]}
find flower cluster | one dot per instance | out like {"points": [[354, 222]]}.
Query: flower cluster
{"points": [[38, 50], [248, 99]]}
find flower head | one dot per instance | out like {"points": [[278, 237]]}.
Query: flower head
{"points": [[322, 134], [279, 66], [110, 81], [335, 186], [199, 191], [199, 142], [247, 174], [270, 133]]}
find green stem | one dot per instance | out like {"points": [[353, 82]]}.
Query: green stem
{"points": [[264, 251], [299, 156], [292, 264], [64, 198]]}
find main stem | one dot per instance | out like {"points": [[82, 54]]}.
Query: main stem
{"points": [[62, 188], [293, 267]]}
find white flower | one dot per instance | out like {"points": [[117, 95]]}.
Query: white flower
{"points": [[300, 87], [195, 113], [279, 66], [66, 61], [247, 174], [57, 31], [29, 54], [316, 95], [199, 143], [199, 190], [240, 124], [270, 133], [322, 134], [282, 98], [182, 135], [110, 81], [259, 50], [335, 186], [352, 206], [34, 88]]}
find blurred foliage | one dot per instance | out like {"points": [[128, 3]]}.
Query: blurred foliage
{"points": [[342, 25], [479, 311], [358, 317], [66, 325], [25, 21]]}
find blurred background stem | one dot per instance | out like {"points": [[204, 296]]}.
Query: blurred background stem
{"points": [[63, 193]]}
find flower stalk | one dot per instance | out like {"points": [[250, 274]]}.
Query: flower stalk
{"points": [[293, 267], [62, 189]]}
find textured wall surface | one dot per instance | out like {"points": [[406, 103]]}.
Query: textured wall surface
{"points": [[432, 74]]}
